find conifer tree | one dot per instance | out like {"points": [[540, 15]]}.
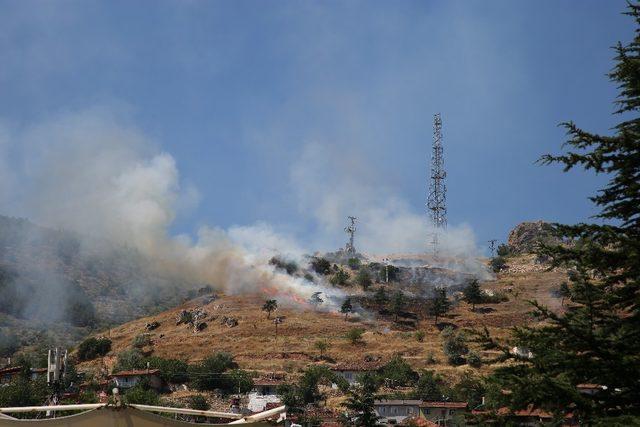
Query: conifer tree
{"points": [[597, 339], [473, 294], [439, 304]]}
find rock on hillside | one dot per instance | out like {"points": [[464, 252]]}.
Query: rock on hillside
{"points": [[526, 236]]}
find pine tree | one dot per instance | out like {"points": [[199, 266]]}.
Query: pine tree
{"points": [[473, 294], [361, 401], [397, 305], [439, 303], [380, 297], [597, 339]]}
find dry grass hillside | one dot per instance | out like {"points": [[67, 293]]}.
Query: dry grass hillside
{"points": [[255, 346]]}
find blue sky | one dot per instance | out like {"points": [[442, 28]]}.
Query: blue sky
{"points": [[245, 95]]}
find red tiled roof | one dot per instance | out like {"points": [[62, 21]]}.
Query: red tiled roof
{"points": [[10, 370], [135, 373], [454, 405]]}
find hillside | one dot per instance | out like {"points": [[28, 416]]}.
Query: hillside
{"points": [[55, 285], [255, 346]]}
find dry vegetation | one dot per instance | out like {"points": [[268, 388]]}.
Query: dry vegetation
{"points": [[255, 346]]}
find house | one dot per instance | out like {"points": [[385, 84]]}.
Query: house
{"points": [[128, 379], [397, 410], [8, 374], [444, 413], [351, 371], [265, 391]]}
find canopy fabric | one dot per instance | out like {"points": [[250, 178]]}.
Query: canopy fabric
{"points": [[111, 417]]}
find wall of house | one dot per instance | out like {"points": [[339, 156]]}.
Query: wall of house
{"points": [[398, 412]]}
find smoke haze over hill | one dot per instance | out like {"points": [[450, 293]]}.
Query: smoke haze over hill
{"points": [[95, 173]]}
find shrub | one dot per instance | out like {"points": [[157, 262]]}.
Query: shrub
{"points": [[430, 359], [321, 266], [420, 335], [363, 279], [454, 346], [339, 278], [398, 372], [353, 263], [289, 266], [93, 347], [141, 340], [380, 297], [503, 250], [474, 360], [428, 387], [129, 360], [354, 335], [206, 375], [173, 371], [199, 402], [498, 264], [141, 395]]}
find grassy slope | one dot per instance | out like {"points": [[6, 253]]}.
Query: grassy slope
{"points": [[255, 347]]}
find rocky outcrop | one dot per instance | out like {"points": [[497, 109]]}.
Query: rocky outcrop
{"points": [[527, 236]]}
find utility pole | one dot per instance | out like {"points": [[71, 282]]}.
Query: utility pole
{"points": [[436, 202], [386, 269], [56, 373], [351, 231], [492, 246]]}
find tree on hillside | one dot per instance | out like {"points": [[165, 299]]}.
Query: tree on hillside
{"points": [[397, 305], [503, 250], [269, 306], [321, 346], [398, 373], [360, 402], [339, 278], [380, 297], [473, 294], [322, 266], [346, 308], [363, 279], [439, 303], [429, 387], [597, 339]]}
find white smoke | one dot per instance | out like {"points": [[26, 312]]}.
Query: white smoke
{"points": [[93, 173], [331, 183], [97, 174]]}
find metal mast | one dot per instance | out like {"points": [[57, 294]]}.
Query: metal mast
{"points": [[351, 231], [436, 203]]}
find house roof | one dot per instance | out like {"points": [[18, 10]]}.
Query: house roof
{"points": [[356, 366], [16, 369], [398, 402], [452, 405], [273, 378], [10, 370], [136, 373]]}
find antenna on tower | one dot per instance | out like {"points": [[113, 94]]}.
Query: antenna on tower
{"points": [[436, 202], [351, 231]]}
